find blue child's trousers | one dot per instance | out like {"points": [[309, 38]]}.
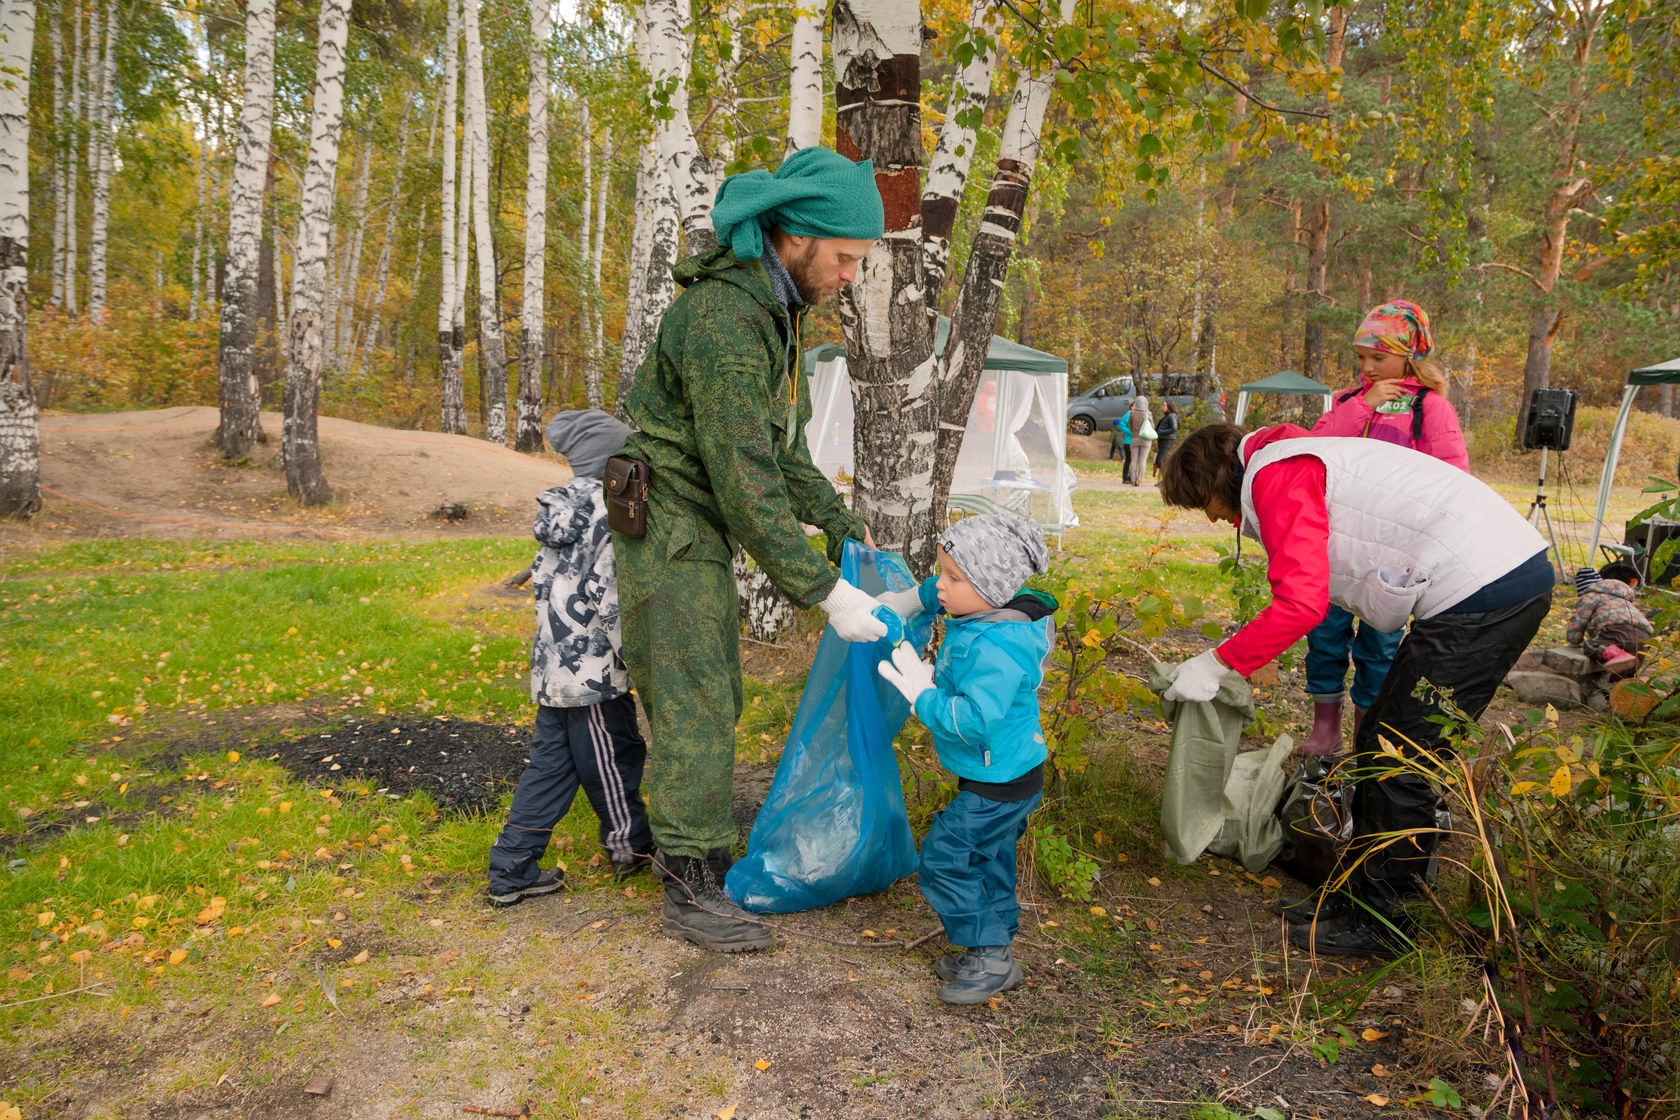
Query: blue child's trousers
{"points": [[968, 868], [1328, 646]]}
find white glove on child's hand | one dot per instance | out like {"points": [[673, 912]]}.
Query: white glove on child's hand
{"points": [[848, 612], [1197, 678], [906, 604], [907, 672]]}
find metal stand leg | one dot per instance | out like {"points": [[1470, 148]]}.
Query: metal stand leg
{"points": [[1537, 513]]}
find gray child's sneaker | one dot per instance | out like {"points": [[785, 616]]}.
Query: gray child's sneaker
{"points": [[547, 881], [981, 974]]}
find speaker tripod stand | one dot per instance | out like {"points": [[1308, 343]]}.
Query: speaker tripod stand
{"points": [[1537, 513]]}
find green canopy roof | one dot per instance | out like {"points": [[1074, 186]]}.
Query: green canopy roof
{"points": [[1288, 381], [1663, 373], [1002, 354]]}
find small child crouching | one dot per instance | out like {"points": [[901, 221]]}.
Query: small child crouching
{"points": [[980, 701], [1607, 622], [586, 717]]}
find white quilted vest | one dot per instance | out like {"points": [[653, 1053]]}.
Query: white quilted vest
{"points": [[1409, 534]]}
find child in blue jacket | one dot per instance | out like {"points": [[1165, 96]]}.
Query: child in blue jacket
{"points": [[980, 700]]}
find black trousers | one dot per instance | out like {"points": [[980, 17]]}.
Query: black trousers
{"points": [[1465, 656], [598, 748]]}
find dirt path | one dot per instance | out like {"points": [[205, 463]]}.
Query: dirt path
{"points": [[155, 474]]}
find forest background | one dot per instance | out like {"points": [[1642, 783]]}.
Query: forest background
{"points": [[1512, 170]]}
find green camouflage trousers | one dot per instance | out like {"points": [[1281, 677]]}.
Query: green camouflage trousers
{"points": [[676, 593]]}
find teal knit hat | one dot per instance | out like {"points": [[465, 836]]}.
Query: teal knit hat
{"points": [[814, 193]]}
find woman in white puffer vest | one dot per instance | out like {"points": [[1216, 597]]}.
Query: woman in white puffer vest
{"points": [[1391, 535]]}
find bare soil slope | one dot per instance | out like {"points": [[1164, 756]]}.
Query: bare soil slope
{"points": [[155, 474]]}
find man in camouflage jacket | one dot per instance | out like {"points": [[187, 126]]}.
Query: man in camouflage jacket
{"points": [[720, 408]]}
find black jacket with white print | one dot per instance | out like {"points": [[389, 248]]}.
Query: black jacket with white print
{"points": [[577, 656]]}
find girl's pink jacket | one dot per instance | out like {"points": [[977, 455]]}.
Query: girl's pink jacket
{"points": [[1441, 436]]}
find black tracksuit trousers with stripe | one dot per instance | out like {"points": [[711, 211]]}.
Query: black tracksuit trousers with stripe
{"points": [[597, 747]]}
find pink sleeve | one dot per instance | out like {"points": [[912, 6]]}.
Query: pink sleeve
{"points": [[1441, 435], [1346, 418], [1295, 530]]}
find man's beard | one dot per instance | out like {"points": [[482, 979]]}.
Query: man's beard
{"points": [[800, 269]]}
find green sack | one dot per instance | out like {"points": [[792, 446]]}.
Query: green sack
{"points": [[1213, 798]]}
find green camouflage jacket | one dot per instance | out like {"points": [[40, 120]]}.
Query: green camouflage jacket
{"points": [[712, 404]]}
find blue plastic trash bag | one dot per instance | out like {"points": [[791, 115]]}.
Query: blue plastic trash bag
{"points": [[833, 824]]}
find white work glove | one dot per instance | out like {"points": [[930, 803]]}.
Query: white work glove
{"points": [[848, 612], [906, 604], [1196, 679], [907, 672]]}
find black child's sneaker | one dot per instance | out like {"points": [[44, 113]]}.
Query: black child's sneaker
{"points": [[548, 881]]}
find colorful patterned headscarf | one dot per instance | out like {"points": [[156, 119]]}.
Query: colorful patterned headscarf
{"points": [[1396, 327]]}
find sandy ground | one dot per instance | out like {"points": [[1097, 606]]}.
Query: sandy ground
{"points": [[154, 473]]}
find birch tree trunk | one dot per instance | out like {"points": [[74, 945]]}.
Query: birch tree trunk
{"points": [[351, 272], [300, 446], [376, 322], [452, 408], [105, 142], [198, 228], [528, 430], [805, 79], [60, 119], [593, 372], [238, 426], [975, 314], [463, 249], [953, 155], [884, 312], [492, 346], [73, 165], [651, 288], [282, 321], [691, 174], [20, 435]]}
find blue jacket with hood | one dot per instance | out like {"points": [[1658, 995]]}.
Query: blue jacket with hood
{"points": [[983, 706]]}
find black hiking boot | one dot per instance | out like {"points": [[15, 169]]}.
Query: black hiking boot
{"points": [[1322, 905], [697, 910], [1350, 935], [947, 967], [547, 881]]}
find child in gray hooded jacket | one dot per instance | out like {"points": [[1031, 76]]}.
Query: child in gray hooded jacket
{"points": [[586, 717]]}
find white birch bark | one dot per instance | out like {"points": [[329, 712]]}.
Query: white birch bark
{"points": [[73, 165], [463, 244], [20, 435], [973, 318], [670, 50], [805, 79], [528, 433], [586, 224], [650, 287], [953, 155], [60, 119], [105, 142], [238, 335], [369, 338], [492, 346], [282, 321], [300, 446], [452, 411], [350, 275], [889, 333], [593, 375], [198, 228]]}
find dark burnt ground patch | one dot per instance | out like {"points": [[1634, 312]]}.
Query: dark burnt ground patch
{"points": [[465, 766]]}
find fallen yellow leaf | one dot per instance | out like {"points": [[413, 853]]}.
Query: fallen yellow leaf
{"points": [[176, 956], [333, 942], [9, 1111], [233, 756], [1099, 911], [1377, 1099], [213, 911], [1381, 1071], [45, 918], [360, 958], [1154, 882], [271, 999], [1372, 1034], [1271, 882], [761, 1065], [870, 933], [727, 1112]]}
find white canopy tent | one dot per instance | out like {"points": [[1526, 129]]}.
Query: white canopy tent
{"points": [[1662, 373], [1014, 451]]}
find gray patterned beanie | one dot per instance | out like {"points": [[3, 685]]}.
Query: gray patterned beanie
{"points": [[997, 552], [587, 439]]}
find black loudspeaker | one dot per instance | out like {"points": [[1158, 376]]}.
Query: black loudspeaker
{"points": [[1551, 419]]}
